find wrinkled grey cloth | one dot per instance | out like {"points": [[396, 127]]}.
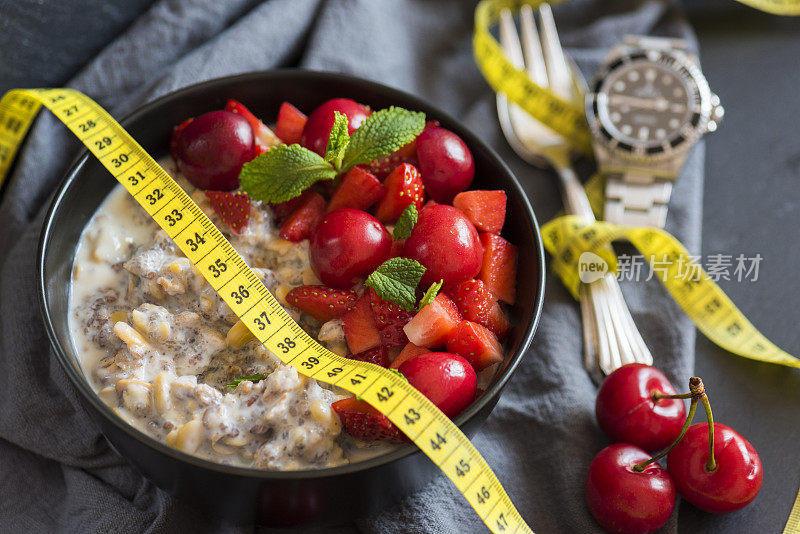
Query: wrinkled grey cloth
{"points": [[57, 473]]}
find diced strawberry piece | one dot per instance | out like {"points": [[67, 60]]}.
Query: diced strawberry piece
{"points": [[284, 209], [403, 187], [499, 270], [360, 330], [264, 137], [390, 320], [429, 203], [358, 190], [408, 352], [176, 133], [232, 208], [364, 422], [473, 300], [433, 324], [486, 209], [321, 302], [476, 344], [290, 124], [378, 356], [382, 167], [301, 223], [498, 322]]}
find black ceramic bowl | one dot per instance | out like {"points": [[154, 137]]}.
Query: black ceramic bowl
{"points": [[269, 497]]}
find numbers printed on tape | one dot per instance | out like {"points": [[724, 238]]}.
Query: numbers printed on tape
{"points": [[238, 286]]}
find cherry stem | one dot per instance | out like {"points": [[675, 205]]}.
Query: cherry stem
{"points": [[697, 392], [692, 408], [657, 396], [711, 465]]}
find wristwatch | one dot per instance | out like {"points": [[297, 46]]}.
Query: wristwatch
{"points": [[648, 105]]}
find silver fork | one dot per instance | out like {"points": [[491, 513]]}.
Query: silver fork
{"points": [[610, 337]]}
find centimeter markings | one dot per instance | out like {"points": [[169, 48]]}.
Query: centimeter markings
{"points": [[226, 271]]}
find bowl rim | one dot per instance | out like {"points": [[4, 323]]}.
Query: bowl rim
{"points": [[81, 383]]}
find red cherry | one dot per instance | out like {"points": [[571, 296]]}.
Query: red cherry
{"points": [[735, 481], [348, 244], [445, 162], [447, 244], [212, 148], [318, 127], [624, 500], [627, 413], [448, 380]]}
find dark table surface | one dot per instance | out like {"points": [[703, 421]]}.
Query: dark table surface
{"points": [[752, 205]]}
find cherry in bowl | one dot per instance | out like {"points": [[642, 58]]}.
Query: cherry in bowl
{"points": [[446, 243], [445, 162], [211, 149], [346, 245], [317, 129]]}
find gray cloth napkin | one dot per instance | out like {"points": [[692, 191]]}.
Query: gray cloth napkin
{"points": [[57, 473]]}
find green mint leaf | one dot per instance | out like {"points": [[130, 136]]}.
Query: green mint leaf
{"points": [[283, 172], [406, 222], [252, 378], [430, 294], [338, 140], [382, 133], [396, 280]]}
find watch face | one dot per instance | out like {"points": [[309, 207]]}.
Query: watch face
{"points": [[647, 104]]}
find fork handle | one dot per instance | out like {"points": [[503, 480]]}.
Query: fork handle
{"points": [[575, 200]]}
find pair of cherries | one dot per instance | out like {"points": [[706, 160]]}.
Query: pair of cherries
{"points": [[709, 464]]}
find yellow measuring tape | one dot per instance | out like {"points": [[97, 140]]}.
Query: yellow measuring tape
{"points": [[229, 275]]}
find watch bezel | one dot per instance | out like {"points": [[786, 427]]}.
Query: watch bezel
{"points": [[689, 132]]}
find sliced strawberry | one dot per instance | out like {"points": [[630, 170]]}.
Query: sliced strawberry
{"points": [[321, 302], [498, 322], [433, 324], [264, 137], [176, 133], [390, 320], [486, 209], [364, 422], [378, 356], [499, 269], [284, 209], [290, 124], [301, 223], [403, 187], [473, 300], [232, 208], [358, 190], [360, 330], [408, 352], [476, 344]]}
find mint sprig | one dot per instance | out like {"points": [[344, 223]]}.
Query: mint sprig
{"points": [[283, 172], [337, 141], [396, 280], [252, 378], [382, 133], [406, 222], [430, 294]]}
